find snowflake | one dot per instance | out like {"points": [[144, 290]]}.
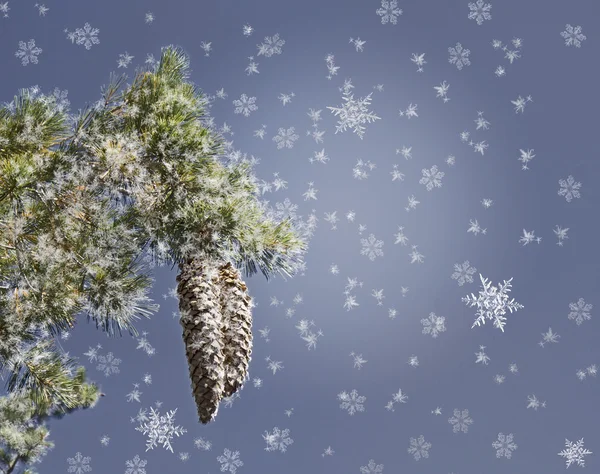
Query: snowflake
{"points": [[371, 247], [569, 188], [136, 466], [389, 12], [480, 11], [463, 273], [108, 364], [573, 36], [433, 325], [271, 46], [352, 402], [432, 178], [419, 448], [353, 113], [460, 421], [28, 52], [285, 138], [372, 468], [526, 157], [580, 311], [492, 303], [574, 452], [459, 56], [160, 429], [124, 59], [79, 464], [86, 36], [279, 440], [245, 105], [504, 446], [230, 461]]}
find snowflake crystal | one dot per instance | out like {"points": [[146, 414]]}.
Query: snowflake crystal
{"points": [[504, 446], [492, 303], [353, 113], [574, 452], [419, 448], [460, 421], [352, 402], [278, 440], [160, 429]]}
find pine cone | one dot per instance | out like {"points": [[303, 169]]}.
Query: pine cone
{"points": [[202, 322], [237, 328]]}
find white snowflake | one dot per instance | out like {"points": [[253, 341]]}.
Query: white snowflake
{"points": [[79, 464], [124, 59], [573, 36], [278, 440], [419, 448], [504, 445], [463, 273], [389, 12], [230, 461], [371, 468], [371, 247], [136, 466], [492, 303], [245, 105], [432, 178], [285, 138], [353, 113], [28, 52], [480, 11], [108, 364], [86, 36], [569, 188], [574, 453], [526, 157], [160, 429], [203, 444], [459, 56], [271, 46], [580, 311], [433, 325], [460, 421], [352, 402]]}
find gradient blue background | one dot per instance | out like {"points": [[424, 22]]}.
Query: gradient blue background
{"points": [[560, 124]]}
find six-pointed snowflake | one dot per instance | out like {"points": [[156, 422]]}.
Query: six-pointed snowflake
{"points": [[371, 247], [278, 440], [574, 453], [580, 311], [432, 178], [459, 56], [79, 464], [460, 421], [28, 52], [160, 429], [352, 402], [389, 11], [573, 36], [504, 445], [136, 466], [433, 325], [492, 303], [463, 273], [569, 188], [86, 36], [230, 461], [480, 11], [419, 448], [354, 113]]}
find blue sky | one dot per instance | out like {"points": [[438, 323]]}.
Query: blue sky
{"points": [[518, 57]]}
